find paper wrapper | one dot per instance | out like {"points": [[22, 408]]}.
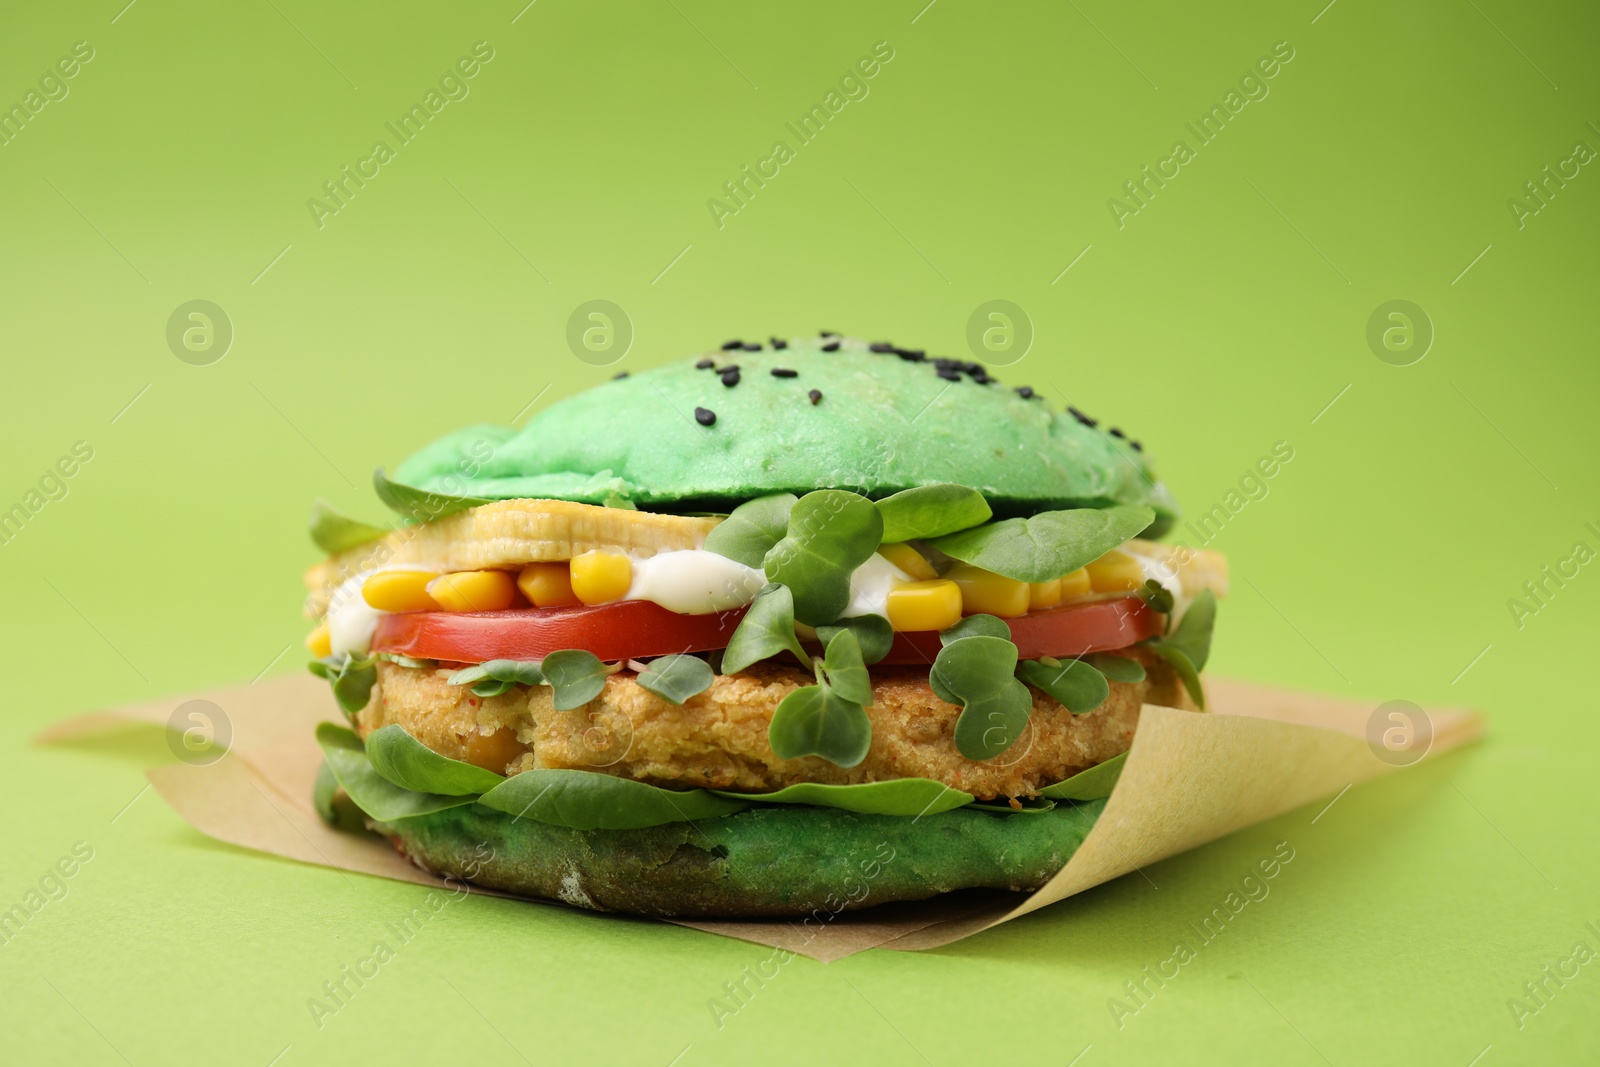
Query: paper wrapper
{"points": [[1189, 779]]}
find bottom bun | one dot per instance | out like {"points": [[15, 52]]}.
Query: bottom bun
{"points": [[764, 862]]}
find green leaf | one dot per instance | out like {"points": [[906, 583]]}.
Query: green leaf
{"points": [[498, 676], [766, 630], [1073, 684], [352, 679], [912, 797], [816, 721], [588, 800], [333, 532], [831, 533], [322, 794], [752, 529], [1116, 668], [1193, 633], [409, 763], [1158, 596], [374, 794], [1049, 544], [846, 670], [977, 673], [1092, 784], [976, 626], [1189, 645], [873, 632], [419, 504], [931, 511], [618, 501], [576, 676], [676, 678]]}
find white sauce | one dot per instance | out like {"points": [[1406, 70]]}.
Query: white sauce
{"points": [[693, 581], [351, 620], [869, 587]]}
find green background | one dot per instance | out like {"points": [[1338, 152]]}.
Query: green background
{"points": [[1222, 318]]}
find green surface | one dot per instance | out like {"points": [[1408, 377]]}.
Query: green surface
{"points": [[1223, 318]]}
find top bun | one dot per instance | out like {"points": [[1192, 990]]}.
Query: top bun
{"points": [[883, 419]]}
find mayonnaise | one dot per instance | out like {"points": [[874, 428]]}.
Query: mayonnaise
{"points": [[693, 581], [869, 587]]}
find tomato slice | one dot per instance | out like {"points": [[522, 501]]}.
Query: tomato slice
{"points": [[638, 629], [1065, 633], [631, 629]]}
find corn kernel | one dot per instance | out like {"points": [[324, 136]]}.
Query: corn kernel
{"points": [[548, 585], [927, 605], [989, 593], [599, 577], [319, 641], [1115, 572], [1043, 595], [473, 590], [399, 591], [909, 560], [1075, 585]]}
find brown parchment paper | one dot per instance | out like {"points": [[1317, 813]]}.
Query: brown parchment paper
{"points": [[1189, 779]]}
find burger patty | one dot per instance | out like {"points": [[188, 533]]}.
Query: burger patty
{"points": [[718, 738]]}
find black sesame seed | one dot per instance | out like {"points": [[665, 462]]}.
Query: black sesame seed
{"points": [[816, 396], [752, 346], [619, 376], [880, 347], [705, 416], [911, 355], [784, 372], [705, 364], [946, 361], [1137, 447], [779, 343], [831, 346], [949, 374], [730, 376], [1025, 392], [1114, 432], [729, 346]]}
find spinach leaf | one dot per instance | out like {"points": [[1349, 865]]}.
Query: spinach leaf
{"points": [[931, 511], [873, 632], [588, 800], [497, 676], [333, 532], [977, 673], [1047, 545], [1158, 596], [831, 533], [816, 721], [1116, 668], [409, 763], [374, 794], [1073, 684], [752, 529], [419, 504], [352, 679], [976, 626], [676, 678], [576, 676], [322, 794], [898, 796], [766, 630], [1188, 646], [846, 670], [1092, 784]]}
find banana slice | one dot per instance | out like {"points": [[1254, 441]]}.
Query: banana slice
{"points": [[509, 533]]}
